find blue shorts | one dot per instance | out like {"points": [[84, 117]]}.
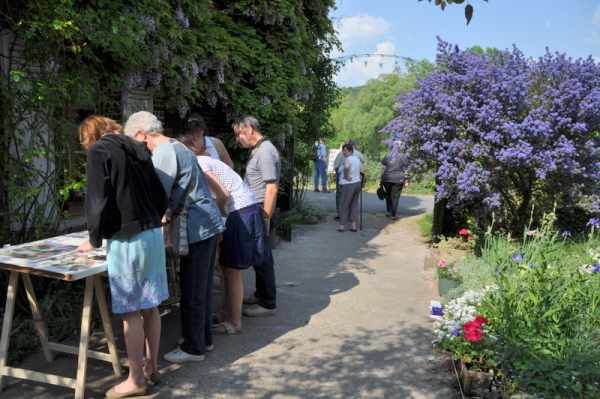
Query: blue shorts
{"points": [[244, 240]]}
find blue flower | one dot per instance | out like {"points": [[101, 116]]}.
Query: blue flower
{"points": [[596, 268], [594, 223], [456, 331], [517, 257], [437, 311]]}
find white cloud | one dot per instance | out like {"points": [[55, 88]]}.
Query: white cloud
{"points": [[359, 70], [596, 16], [361, 27], [597, 59]]}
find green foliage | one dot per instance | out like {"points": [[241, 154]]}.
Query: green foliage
{"points": [[469, 10], [364, 110], [543, 310], [302, 213], [425, 224], [267, 58]]}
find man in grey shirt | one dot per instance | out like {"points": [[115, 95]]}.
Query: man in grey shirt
{"points": [[263, 171]]}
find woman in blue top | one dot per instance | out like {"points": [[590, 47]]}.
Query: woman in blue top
{"points": [[350, 186]]}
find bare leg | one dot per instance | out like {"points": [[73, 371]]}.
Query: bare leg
{"points": [[235, 295], [133, 330], [152, 332]]}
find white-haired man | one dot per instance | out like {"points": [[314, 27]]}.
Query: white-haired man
{"points": [[186, 188], [263, 171]]}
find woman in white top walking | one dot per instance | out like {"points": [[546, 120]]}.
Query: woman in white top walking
{"points": [[350, 187]]}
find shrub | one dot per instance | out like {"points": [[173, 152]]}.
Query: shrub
{"points": [[503, 131]]}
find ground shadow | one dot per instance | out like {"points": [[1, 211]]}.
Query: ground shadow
{"points": [[309, 274]]}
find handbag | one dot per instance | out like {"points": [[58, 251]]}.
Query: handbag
{"points": [[381, 193]]}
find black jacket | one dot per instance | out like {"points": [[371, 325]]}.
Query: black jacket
{"points": [[395, 169], [124, 194]]}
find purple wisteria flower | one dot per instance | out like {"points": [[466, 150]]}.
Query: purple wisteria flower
{"points": [[596, 268], [503, 131]]}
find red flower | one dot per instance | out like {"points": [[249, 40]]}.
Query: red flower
{"points": [[463, 232], [473, 329]]}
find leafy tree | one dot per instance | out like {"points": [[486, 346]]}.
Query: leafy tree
{"points": [[65, 57], [364, 110]]}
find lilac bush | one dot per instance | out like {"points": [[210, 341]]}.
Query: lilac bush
{"points": [[506, 134]]}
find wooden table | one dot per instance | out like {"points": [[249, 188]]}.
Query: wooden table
{"points": [[56, 258]]}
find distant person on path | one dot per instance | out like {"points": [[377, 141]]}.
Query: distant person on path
{"points": [[393, 178], [350, 188], [263, 172], [336, 167], [188, 193], [320, 161], [124, 204], [195, 131]]}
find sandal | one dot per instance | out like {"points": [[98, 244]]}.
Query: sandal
{"points": [[152, 379], [225, 328], [112, 394]]}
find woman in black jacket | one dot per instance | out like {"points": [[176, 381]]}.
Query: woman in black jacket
{"points": [[393, 178], [125, 202]]}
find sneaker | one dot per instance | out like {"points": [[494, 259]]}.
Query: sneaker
{"points": [[250, 300], [180, 356], [258, 311], [209, 348]]}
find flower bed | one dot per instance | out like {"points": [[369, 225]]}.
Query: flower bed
{"points": [[527, 315]]}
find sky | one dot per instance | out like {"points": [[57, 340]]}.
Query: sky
{"points": [[408, 28]]}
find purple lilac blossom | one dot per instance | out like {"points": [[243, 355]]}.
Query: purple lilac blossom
{"points": [[495, 125]]}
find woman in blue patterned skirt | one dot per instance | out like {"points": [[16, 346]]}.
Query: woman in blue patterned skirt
{"points": [[125, 202]]}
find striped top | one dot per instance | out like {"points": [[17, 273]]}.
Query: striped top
{"points": [[240, 195]]}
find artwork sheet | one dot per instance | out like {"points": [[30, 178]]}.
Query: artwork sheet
{"points": [[57, 255]]}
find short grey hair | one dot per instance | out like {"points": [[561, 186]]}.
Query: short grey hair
{"points": [[251, 121], [144, 121]]}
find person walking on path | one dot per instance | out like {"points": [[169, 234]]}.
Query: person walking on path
{"points": [[125, 202], [263, 172], [350, 188], [188, 194], [393, 178], [201, 144], [320, 166]]}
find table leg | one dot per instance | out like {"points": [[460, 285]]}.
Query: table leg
{"points": [[40, 324], [107, 325], [11, 295], [84, 338]]}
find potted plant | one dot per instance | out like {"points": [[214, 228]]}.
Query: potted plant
{"points": [[447, 277], [467, 335]]}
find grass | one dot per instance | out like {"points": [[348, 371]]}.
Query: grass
{"points": [[425, 224]]}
